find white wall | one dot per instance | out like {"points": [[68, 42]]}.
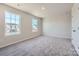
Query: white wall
{"points": [[26, 27], [57, 18], [75, 26], [57, 25]]}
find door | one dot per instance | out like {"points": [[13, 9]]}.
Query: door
{"points": [[75, 28]]}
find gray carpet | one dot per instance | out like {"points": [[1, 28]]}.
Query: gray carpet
{"points": [[40, 46]]}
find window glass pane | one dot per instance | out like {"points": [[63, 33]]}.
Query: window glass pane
{"points": [[34, 27], [7, 27], [7, 15], [7, 20], [13, 29], [34, 24], [13, 16], [13, 21], [17, 27], [17, 19]]}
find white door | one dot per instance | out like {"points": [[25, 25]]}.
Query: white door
{"points": [[75, 29]]}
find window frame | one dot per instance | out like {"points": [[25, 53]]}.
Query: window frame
{"points": [[11, 24], [37, 24]]}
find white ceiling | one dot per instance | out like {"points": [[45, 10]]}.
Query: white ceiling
{"points": [[50, 8]]}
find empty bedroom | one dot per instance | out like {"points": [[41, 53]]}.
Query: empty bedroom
{"points": [[39, 29]]}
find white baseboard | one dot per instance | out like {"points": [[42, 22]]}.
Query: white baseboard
{"points": [[58, 36], [18, 41]]}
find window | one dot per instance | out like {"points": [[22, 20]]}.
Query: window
{"points": [[12, 23], [34, 25]]}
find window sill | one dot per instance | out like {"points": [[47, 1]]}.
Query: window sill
{"points": [[9, 34], [34, 30]]}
